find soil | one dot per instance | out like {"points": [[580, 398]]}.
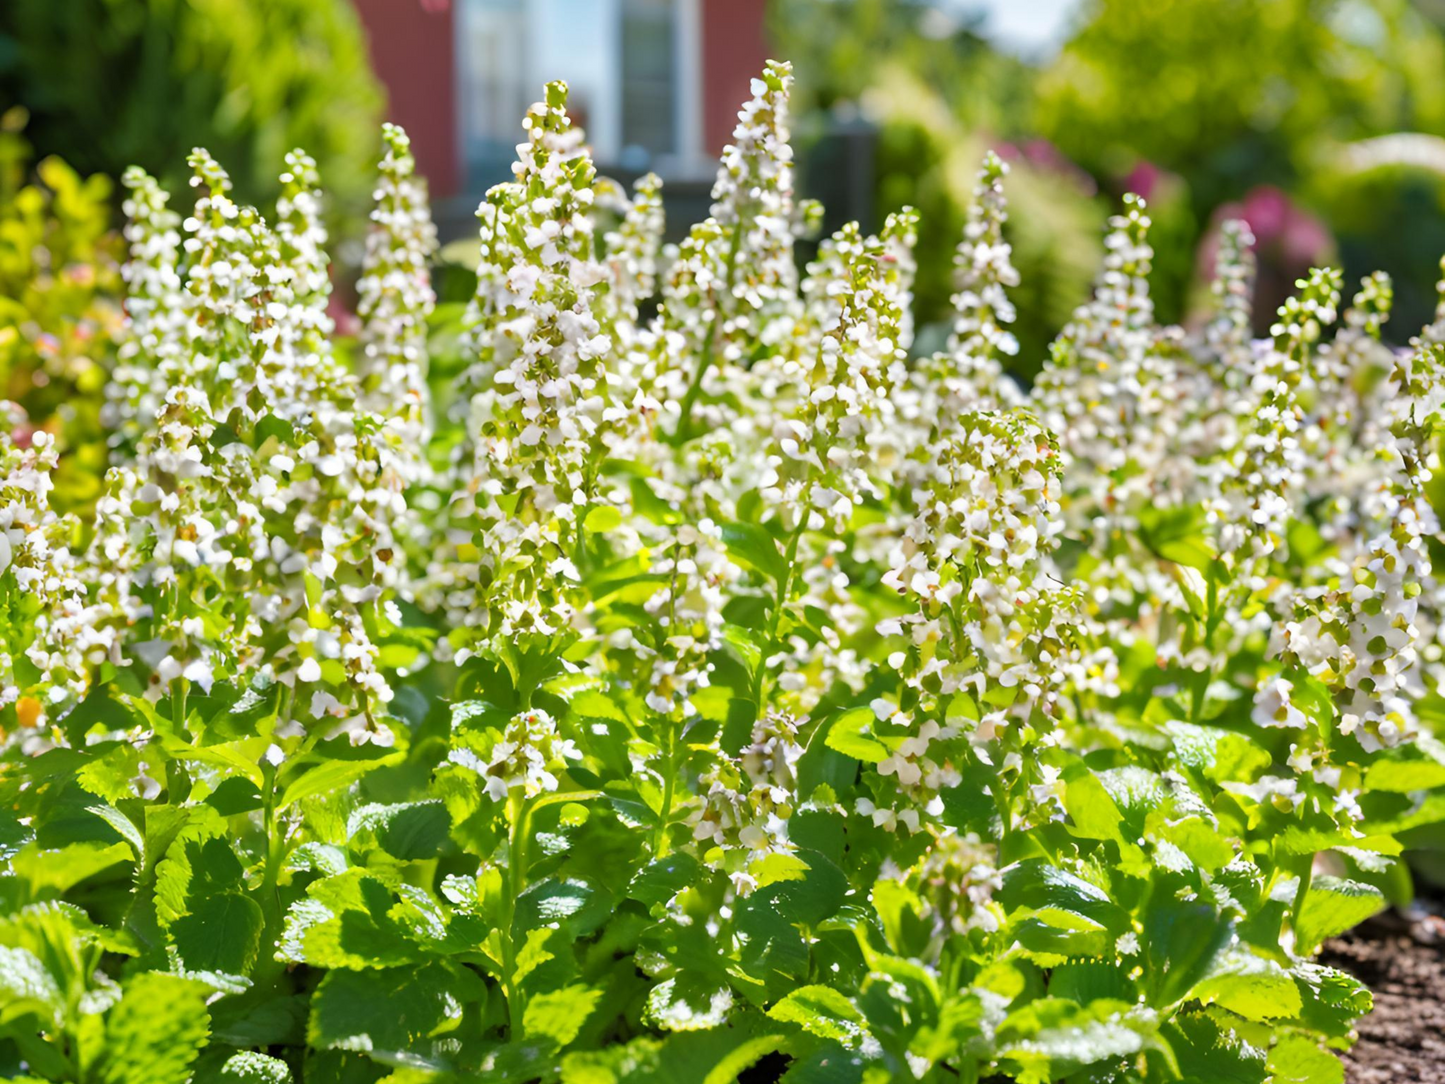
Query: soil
{"points": [[1402, 961]]}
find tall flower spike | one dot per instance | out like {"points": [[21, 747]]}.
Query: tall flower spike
{"points": [[753, 195], [534, 430], [47, 635], [1267, 467], [900, 239], [396, 294], [743, 253], [819, 455], [546, 399], [152, 341], [302, 236], [218, 275], [1098, 361], [1227, 336], [983, 274], [1361, 638]]}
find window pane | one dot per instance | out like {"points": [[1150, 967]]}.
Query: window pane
{"points": [[649, 78], [491, 44]]}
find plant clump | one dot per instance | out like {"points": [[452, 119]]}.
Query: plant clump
{"points": [[690, 678]]}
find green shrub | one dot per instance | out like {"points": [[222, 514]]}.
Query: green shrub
{"points": [[111, 83]]}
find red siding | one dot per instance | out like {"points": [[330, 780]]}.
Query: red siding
{"points": [[734, 50], [412, 54]]}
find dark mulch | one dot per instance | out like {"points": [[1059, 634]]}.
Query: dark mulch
{"points": [[1403, 962]]}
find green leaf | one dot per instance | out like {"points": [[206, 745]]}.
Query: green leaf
{"points": [[222, 934], [1049, 1038], [155, 1032], [1250, 986], [1209, 1053], [1217, 754], [385, 1011], [27, 987], [345, 921], [851, 735], [327, 775], [1418, 766], [1177, 534], [122, 824], [1331, 906], [558, 1015], [688, 1003], [659, 881], [824, 1012], [603, 518], [752, 547], [1298, 1060], [407, 831]]}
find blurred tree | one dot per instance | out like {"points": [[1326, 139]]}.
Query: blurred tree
{"points": [[940, 96], [111, 83], [1232, 94]]}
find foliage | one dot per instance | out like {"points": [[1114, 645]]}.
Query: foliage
{"points": [[707, 678], [1233, 94], [58, 313], [116, 82]]}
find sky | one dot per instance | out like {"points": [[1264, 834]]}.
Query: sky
{"points": [[1028, 27]]}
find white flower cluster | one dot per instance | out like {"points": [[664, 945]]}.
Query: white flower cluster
{"points": [[247, 531], [968, 375], [740, 518], [150, 350], [56, 641], [748, 801], [395, 292], [525, 759]]}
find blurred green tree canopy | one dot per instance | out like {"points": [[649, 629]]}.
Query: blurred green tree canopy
{"points": [[1206, 106], [110, 83]]}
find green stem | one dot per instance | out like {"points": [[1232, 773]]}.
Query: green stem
{"points": [[669, 768], [785, 587], [1306, 875], [704, 362], [519, 814]]}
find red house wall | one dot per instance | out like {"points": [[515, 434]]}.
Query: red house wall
{"points": [[411, 43], [734, 50]]}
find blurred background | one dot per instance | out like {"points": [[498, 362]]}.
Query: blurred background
{"points": [[1320, 121]]}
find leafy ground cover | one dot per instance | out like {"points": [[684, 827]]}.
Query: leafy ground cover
{"points": [[654, 670]]}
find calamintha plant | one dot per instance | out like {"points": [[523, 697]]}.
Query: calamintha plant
{"points": [[702, 685]]}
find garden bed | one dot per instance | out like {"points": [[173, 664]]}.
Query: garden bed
{"points": [[1403, 962]]}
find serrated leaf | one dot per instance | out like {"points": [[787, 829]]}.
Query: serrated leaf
{"points": [[824, 1012], [155, 1032], [687, 1003], [659, 881], [384, 1011], [1331, 906], [221, 934], [558, 1015], [1250, 986], [407, 831], [1297, 1060], [27, 987], [1209, 1053]]}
